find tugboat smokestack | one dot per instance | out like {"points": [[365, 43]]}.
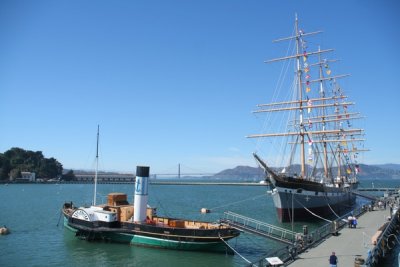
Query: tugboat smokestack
{"points": [[141, 193]]}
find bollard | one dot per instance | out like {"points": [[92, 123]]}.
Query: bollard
{"points": [[358, 262], [305, 230]]}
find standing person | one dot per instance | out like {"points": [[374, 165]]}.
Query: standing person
{"points": [[354, 222], [350, 221], [333, 260]]}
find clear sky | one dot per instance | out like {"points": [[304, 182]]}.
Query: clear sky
{"points": [[175, 81]]}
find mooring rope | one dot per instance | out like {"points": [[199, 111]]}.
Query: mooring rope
{"points": [[59, 218], [251, 198], [234, 249], [313, 213], [326, 198], [288, 209]]}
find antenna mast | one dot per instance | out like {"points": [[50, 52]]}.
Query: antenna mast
{"points": [[97, 166]]}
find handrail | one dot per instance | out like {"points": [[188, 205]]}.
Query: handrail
{"points": [[268, 230], [229, 213]]}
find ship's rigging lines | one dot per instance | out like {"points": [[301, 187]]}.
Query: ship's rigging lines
{"points": [[323, 117], [306, 107], [340, 131]]}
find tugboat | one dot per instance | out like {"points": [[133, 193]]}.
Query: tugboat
{"points": [[119, 221], [122, 222], [319, 142]]}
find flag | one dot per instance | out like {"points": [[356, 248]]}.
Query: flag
{"points": [[357, 169], [308, 89], [328, 72]]}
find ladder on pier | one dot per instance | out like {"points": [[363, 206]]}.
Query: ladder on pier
{"points": [[253, 226]]}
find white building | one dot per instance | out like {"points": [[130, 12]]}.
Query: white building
{"points": [[30, 176]]}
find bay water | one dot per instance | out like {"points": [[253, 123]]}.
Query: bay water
{"points": [[38, 238]]}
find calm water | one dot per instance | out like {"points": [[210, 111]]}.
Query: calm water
{"points": [[32, 212]]}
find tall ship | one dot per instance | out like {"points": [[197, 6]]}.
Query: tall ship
{"points": [[137, 223], [317, 142]]}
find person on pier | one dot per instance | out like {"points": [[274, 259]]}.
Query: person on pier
{"points": [[333, 260]]}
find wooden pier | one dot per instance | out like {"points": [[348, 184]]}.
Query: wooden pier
{"points": [[348, 245]]}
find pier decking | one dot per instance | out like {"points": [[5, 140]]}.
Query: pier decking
{"points": [[349, 244]]}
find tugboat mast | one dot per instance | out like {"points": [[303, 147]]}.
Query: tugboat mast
{"points": [[97, 167]]}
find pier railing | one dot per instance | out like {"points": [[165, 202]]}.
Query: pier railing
{"points": [[303, 241], [385, 242]]}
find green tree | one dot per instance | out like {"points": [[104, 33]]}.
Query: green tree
{"points": [[69, 176], [15, 160], [4, 167], [49, 168], [15, 173]]}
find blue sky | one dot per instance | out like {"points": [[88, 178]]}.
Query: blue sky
{"points": [[176, 81]]}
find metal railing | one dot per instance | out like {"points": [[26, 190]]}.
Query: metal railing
{"points": [[260, 228], [385, 242], [288, 253]]}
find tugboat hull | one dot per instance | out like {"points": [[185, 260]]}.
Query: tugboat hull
{"points": [[152, 235]]}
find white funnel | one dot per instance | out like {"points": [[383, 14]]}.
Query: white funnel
{"points": [[141, 192]]}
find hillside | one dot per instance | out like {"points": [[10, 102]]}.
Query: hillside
{"points": [[386, 171], [241, 172]]}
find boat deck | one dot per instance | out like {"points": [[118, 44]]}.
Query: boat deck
{"points": [[349, 244]]}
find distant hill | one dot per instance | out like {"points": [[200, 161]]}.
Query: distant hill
{"points": [[389, 166], [385, 171], [379, 171], [241, 172]]}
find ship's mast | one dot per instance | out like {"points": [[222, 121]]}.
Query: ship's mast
{"points": [[300, 94], [97, 166], [339, 174], [322, 94], [313, 110]]}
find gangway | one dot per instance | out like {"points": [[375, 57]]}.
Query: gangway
{"points": [[247, 224]]}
